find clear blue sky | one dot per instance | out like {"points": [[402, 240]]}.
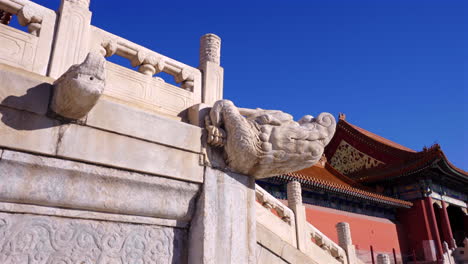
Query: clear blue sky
{"points": [[396, 68]]}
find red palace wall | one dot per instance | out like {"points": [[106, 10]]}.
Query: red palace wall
{"points": [[366, 231]]}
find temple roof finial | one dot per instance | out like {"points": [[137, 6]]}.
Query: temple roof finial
{"points": [[342, 116]]}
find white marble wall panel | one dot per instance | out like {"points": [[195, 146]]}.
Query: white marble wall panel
{"points": [[33, 179], [110, 149], [18, 48], [24, 90], [123, 119], [26, 131]]}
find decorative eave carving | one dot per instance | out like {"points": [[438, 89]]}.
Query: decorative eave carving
{"points": [[265, 143]]}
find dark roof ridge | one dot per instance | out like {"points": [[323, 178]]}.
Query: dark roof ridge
{"points": [[384, 142]]}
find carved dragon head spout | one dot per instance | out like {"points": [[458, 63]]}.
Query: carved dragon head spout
{"points": [[80, 87], [265, 143]]}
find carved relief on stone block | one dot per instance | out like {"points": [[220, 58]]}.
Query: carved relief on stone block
{"points": [[344, 234], [17, 48], [39, 240], [210, 49], [294, 193], [151, 94], [265, 143], [347, 159]]}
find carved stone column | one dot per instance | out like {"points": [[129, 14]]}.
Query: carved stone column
{"points": [[72, 36], [446, 228], [433, 226], [224, 228], [213, 73], [345, 241], [383, 259], [295, 203]]}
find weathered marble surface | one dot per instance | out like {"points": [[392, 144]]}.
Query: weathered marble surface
{"points": [[270, 241], [27, 131], [9, 207], [38, 180], [24, 90], [127, 120], [264, 256], [30, 239], [264, 143], [223, 228], [102, 147]]}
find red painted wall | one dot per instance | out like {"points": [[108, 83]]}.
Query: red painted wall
{"points": [[381, 233]]}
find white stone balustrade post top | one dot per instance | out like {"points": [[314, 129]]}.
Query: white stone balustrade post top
{"points": [[82, 3], [383, 259], [210, 49], [294, 193], [344, 234]]}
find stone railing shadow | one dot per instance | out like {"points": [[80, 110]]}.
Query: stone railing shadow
{"points": [[31, 99]]}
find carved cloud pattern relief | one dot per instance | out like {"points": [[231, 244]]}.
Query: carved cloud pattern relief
{"points": [[51, 240], [347, 159]]}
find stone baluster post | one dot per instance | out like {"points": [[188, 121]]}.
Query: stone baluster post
{"points": [[72, 37], [295, 203], [345, 241], [447, 254], [212, 72], [383, 259]]}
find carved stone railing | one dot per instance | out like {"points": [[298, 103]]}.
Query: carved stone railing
{"points": [[140, 87], [57, 40], [20, 49], [325, 243], [148, 62], [271, 203], [298, 232], [275, 216]]}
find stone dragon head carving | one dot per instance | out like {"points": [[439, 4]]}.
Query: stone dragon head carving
{"points": [[80, 87], [265, 143]]}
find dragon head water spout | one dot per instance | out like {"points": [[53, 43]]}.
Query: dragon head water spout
{"points": [[265, 143], [80, 87]]}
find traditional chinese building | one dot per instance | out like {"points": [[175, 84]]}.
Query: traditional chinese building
{"points": [[397, 201]]}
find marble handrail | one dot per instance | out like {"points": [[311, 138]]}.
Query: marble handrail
{"points": [[148, 61], [29, 14], [325, 243], [271, 203], [29, 51]]}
